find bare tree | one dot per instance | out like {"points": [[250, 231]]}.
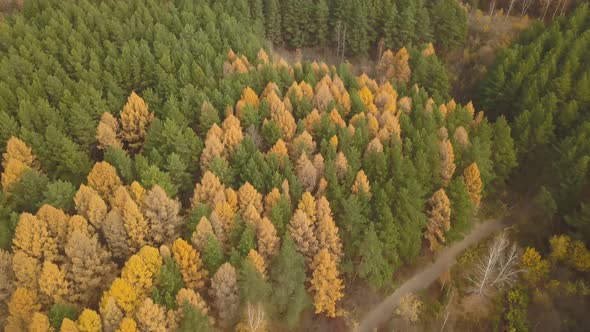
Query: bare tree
{"points": [[547, 4], [498, 268], [525, 5], [255, 317], [510, 7], [492, 7]]}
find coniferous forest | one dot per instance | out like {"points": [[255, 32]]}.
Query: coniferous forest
{"points": [[164, 168]]}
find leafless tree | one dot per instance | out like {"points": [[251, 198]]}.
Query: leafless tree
{"points": [[492, 7], [510, 7], [498, 268], [547, 3], [255, 317], [525, 5]]}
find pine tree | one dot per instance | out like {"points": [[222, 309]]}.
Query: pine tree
{"points": [[135, 120], [504, 154], [190, 264], [374, 266], [461, 206], [439, 219], [272, 21], [287, 277], [325, 283]]}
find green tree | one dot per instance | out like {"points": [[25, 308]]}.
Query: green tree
{"points": [[287, 277], [374, 267], [168, 283], [462, 209]]}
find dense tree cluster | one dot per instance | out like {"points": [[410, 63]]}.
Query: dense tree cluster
{"points": [[153, 179], [542, 86], [357, 27]]}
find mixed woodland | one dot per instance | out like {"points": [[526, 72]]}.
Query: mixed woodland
{"points": [[163, 170]]}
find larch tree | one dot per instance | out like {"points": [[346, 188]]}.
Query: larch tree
{"points": [[104, 180], [439, 219], [232, 132], [209, 191], [224, 292], [108, 132], [341, 164], [190, 264], [326, 284], [361, 184], [88, 268], [248, 195], [23, 304], [12, 174], [6, 275], [286, 123], [57, 223], [40, 323], [32, 237], [162, 216], [135, 121], [195, 300], [115, 235], [128, 325], [135, 225], [68, 325], [150, 316], [536, 268], [18, 150], [302, 230], [327, 231], [307, 204], [202, 232], [111, 314], [447, 161], [89, 321], [26, 271], [401, 65], [473, 182], [267, 239], [213, 146], [53, 283], [90, 205], [258, 262], [307, 173]]}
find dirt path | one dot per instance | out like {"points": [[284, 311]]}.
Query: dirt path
{"points": [[383, 311]]}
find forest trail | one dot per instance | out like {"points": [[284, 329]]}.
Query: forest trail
{"points": [[444, 260]]}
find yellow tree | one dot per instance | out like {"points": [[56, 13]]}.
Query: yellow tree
{"points": [[270, 200], [307, 204], [110, 313], [53, 283], [209, 191], [123, 294], [135, 225], [31, 236], [536, 267], [104, 179], [341, 164], [326, 284], [439, 219], [560, 246], [401, 65], [303, 143], [580, 257], [23, 304], [108, 132], [232, 132], [323, 97], [68, 325], [12, 174], [90, 205], [447, 161], [386, 65], [89, 321], [127, 325], [18, 150], [302, 230], [286, 123], [257, 261], [40, 323], [190, 264], [473, 182], [150, 316], [26, 271], [361, 183], [268, 240], [280, 149], [248, 97], [195, 300], [57, 223], [327, 231], [248, 195], [135, 120]]}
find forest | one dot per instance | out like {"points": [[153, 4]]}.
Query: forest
{"points": [[164, 169]]}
